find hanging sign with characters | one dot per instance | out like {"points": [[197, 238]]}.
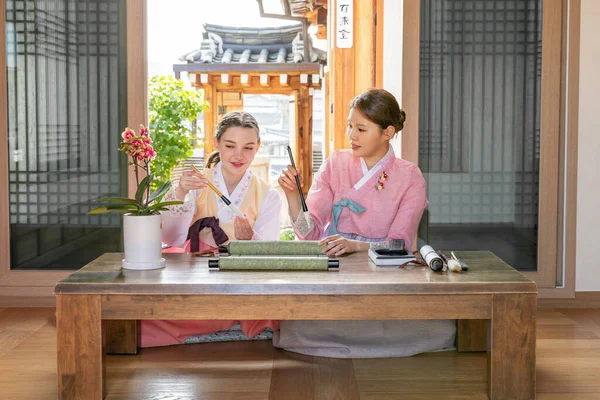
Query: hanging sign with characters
{"points": [[344, 24]]}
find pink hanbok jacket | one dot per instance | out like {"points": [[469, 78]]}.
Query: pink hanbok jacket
{"points": [[393, 199]]}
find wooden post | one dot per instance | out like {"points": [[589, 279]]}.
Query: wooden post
{"points": [[303, 152], [121, 336], [471, 335], [512, 337], [345, 78], [80, 349], [4, 186], [328, 135], [209, 116], [410, 79], [137, 73]]}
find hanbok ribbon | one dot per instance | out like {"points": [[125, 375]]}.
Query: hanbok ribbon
{"points": [[337, 210], [218, 233]]}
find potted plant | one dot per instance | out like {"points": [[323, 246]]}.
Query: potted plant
{"points": [[142, 239]]}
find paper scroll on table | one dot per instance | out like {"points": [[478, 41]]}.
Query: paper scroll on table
{"points": [[273, 255]]}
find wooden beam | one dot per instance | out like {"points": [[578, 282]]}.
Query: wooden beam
{"points": [[254, 84], [271, 68], [264, 80], [226, 79], [283, 80], [244, 80], [315, 79]]}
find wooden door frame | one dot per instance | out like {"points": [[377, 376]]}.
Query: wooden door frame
{"points": [[36, 288], [557, 102]]}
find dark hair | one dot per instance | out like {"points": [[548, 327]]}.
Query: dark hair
{"points": [[380, 107], [232, 119]]}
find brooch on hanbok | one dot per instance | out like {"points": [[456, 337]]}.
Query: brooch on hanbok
{"points": [[382, 178]]}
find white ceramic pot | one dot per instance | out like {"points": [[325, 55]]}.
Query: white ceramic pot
{"points": [[142, 242]]}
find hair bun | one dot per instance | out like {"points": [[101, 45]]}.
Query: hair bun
{"points": [[402, 119]]}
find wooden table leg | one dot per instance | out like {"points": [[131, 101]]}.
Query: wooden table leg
{"points": [[471, 335], [80, 350], [121, 336], [511, 350]]}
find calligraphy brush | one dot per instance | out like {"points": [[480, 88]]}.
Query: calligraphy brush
{"points": [[463, 265], [221, 195], [304, 206]]}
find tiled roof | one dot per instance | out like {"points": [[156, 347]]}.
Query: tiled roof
{"points": [[227, 44]]}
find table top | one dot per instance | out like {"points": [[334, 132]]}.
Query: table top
{"points": [[186, 274]]}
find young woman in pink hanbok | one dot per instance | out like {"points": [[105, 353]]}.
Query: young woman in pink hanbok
{"points": [[361, 195], [204, 221]]}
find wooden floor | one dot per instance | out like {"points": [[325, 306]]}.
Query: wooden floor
{"points": [[568, 367]]}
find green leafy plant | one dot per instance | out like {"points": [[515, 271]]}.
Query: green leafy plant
{"points": [[172, 110], [139, 149], [287, 234]]}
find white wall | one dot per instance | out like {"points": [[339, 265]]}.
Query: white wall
{"points": [[588, 165], [392, 59]]}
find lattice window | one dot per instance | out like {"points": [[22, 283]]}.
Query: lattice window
{"points": [[480, 108], [64, 119]]}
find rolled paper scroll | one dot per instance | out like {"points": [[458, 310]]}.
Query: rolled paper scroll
{"points": [[283, 247], [273, 263]]}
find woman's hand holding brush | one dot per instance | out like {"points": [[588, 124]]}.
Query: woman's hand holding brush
{"points": [[190, 180]]}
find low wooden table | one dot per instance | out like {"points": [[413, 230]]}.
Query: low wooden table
{"points": [[490, 291]]}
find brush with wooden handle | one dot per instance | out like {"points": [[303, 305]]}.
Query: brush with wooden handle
{"points": [[221, 195], [463, 265]]}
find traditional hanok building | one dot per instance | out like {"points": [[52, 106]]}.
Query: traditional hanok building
{"points": [[234, 61]]}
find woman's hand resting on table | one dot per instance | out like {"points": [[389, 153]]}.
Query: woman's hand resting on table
{"points": [[337, 245]]}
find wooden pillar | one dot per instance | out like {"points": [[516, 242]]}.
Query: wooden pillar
{"points": [[328, 134], [308, 143], [352, 69], [4, 186], [210, 120], [303, 152], [365, 31], [379, 44], [81, 369], [137, 73], [410, 79], [121, 336]]}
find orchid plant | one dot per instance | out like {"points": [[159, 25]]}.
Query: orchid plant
{"points": [[139, 149]]}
